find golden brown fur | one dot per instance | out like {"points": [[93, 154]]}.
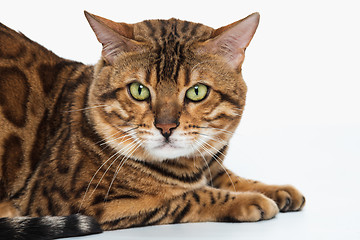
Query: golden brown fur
{"points": [[74, 140]]}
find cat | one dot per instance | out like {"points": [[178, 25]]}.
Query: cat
{"points": [[138, 139]]}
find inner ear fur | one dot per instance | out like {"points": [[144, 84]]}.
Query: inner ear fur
{"points": [[231, 41]]}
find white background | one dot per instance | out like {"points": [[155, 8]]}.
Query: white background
{"points": [[302, 120]]}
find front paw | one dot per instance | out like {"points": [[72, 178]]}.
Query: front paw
{"points": [[286, 197], [252, 207]]}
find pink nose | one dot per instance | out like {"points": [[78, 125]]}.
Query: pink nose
{"points": [[166, 127]]}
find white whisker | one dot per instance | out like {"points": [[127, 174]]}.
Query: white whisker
{"points": [[87, 108], [219, 129], [207, 165], [212, 147], [122, 162], [216, 159], [119, 153], [219, 140], [110, 136], [88, 187], [117, 138]]}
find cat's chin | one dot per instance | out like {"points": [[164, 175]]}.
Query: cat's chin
{"points": [[169, 152]]}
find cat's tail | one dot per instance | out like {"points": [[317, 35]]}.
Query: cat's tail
{"points": [[49, 227]]}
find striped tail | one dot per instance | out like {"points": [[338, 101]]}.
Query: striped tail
{"points": [[49, 227]]}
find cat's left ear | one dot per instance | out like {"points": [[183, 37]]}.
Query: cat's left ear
{"points": [[116, 38], [231, 41]]}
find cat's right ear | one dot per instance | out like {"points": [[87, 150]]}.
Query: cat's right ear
{"points": [[231, 41], [114, 37]]}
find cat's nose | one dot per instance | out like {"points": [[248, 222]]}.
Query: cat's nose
{"points": [[166, 128]]}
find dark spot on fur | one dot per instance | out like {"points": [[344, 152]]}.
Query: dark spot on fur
{"points": [[14, 95], [50, 75], [12, 159], [196, 197], [10, 47]]}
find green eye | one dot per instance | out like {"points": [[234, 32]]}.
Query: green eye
{"points": [[139, 91], [197, 92]]}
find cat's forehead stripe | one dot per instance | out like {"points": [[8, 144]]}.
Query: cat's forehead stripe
{"points": [[170, 40], [157, 30]]}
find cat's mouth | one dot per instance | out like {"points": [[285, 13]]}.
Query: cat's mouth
{"points": [[167, 145], [173, 147]]}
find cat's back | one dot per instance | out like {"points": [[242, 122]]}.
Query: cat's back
{"points": [[20, 60], [22, 54], [31, 79]]}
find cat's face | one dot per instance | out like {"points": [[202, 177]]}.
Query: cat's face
{"points": [[167, 89]]}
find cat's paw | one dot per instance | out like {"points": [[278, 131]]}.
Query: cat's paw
{"points": [[286, 197], [252, 207]]}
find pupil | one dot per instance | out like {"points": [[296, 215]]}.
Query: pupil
{"points": [[196, 90], [140, 89]]}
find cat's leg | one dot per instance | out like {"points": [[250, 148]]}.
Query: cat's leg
{"points": [[287, 197], [204, 204], [7, 209]]}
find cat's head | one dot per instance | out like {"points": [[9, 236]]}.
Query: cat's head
{"points": [[166, 89]]}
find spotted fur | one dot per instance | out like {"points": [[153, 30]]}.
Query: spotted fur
{"points": [[74, 141]]}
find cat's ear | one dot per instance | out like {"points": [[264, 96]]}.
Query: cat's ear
{"points": [[231, 41], [116, 38]]}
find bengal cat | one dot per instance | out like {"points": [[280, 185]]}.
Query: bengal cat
{"points": [[138, 139]]}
